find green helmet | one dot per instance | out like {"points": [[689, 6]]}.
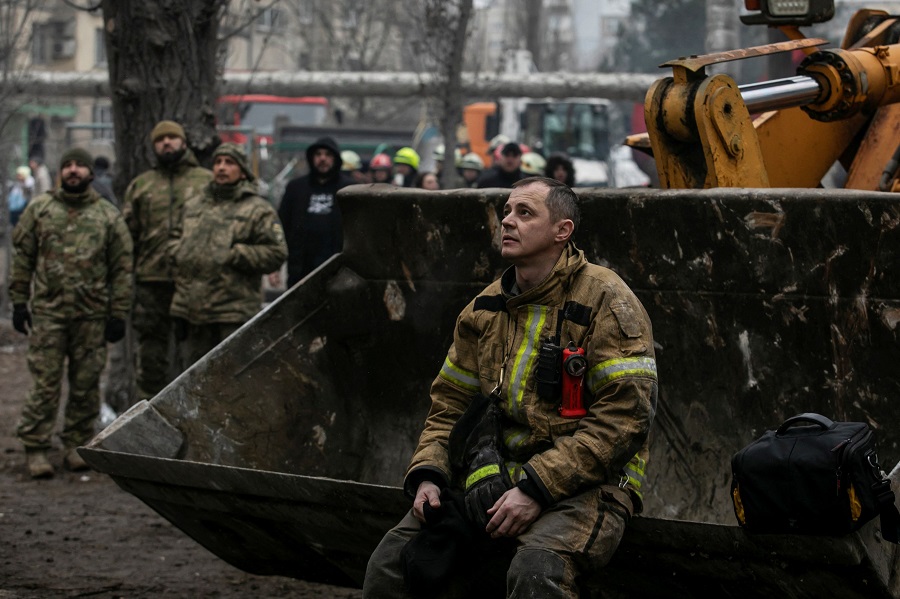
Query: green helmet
{"points": [[407, 156]]}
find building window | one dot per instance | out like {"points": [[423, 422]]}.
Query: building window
{"points": [[103, 121], [271, 19], [40, 54], [52, 40], [99, 47]]}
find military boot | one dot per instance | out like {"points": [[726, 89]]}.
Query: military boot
{"points": [[38, 464], [73, 461]]}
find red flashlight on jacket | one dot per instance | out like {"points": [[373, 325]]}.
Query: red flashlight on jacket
{"points": [[574, 368]]}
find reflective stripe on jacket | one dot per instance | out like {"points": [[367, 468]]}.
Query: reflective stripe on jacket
{"points": [[499, 332]]}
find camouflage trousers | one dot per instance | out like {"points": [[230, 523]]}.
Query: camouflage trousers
{"points": [[50, 344], [202, 338], [151, 321], [556, 558]]}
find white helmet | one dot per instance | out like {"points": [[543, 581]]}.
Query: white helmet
{"points": [[533, 163], [498, 141], [350, 160], [472, 161], [438, 153]]}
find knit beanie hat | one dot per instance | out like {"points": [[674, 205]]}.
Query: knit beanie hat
{"points": [[166, 128], [236, 152], [79, 155]]}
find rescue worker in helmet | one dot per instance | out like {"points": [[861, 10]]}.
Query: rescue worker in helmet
{"points": [[353, 166], [497, 142], [533, 164], [406, 167], [469, 167], [381, 168]]}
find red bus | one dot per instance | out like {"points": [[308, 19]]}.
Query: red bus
{"points": [[260, 112]]}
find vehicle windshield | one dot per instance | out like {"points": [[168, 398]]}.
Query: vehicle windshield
{"points": [[579, 130]]}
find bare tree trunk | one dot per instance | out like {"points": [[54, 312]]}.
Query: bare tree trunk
{"points": [[534, 30], [162, 65], [447, 29]]}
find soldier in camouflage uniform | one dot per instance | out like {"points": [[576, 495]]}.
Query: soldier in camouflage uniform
{"points": [[154, 203], [74, 250], [230, 238]]}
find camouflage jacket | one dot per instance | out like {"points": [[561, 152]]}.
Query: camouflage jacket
{"points": [[153, 206], [77, 252], [497, 342], [220, 253]]}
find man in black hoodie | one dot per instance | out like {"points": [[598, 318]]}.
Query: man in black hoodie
{"points": [[309, 213]]}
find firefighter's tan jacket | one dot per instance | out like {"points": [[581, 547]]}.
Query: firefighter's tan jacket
{"points": [[499, 335]]}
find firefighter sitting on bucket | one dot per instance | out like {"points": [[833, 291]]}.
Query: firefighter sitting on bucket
{"points": [[533, 454]]}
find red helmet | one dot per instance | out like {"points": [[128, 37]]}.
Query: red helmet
{"points": [[380, 161]]}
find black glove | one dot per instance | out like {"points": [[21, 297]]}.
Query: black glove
{"points": [[487, 477], [21, 318], [115, 329], [181, 329]]}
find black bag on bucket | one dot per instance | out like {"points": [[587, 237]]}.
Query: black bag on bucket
{"points": [[812, 476]]}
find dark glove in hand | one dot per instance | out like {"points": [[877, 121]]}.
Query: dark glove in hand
{"points": [[115, 329], [483, 493], [487, 479], [21, 318], [181, 328]]}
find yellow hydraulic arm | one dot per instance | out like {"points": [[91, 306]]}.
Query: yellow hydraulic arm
{"points": [[702, 135]]}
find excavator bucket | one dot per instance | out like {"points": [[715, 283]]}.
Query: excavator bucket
{"points": [[283, 450]]}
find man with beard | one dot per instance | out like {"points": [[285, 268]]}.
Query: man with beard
{"points": [[153, 207], [73, 261], [230, 237], [309, 213]]}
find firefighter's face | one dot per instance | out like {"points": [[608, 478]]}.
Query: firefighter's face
{"points": [[73, 173], [529, 233], [323, 160], [167, 144], [226, 170]]}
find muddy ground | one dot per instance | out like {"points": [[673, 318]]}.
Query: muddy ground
{"points": [[79, 535]]}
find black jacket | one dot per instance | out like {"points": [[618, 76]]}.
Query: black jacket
{"points": [[310, 215], [497, 177]]}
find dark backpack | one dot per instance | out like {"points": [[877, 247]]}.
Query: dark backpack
{"points": [[812, 476]]}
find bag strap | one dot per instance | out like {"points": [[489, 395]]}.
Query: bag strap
{"points": [[890, 516], [826, 423]]}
